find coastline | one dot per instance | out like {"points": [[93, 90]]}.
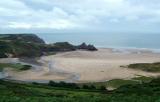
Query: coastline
{"points": [[87, 66], [153, 50]]}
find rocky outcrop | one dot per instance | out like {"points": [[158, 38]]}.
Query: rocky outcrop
{"points": [[89, 47]]}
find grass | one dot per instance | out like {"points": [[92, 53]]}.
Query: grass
{"points": [[29, 91], [116, 83], [17, 66], [149, 67], [143, 79], [20, 92]]}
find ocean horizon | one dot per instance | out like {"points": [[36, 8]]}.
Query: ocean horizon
{"points": [[107, 40]]}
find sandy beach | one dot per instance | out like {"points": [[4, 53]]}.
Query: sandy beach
{"points": [[86, 66]]}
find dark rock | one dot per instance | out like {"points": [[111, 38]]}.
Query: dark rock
{"points": [[89, 47], [83, 46]]}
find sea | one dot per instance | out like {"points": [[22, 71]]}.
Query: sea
{"points": [[107, 40]]}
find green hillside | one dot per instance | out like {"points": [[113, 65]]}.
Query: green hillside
{"points": [[20, 92], [29, 38]]}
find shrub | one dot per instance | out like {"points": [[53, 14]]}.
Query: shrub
{"points": [[26, 67], [102, 88], [85, 87]]}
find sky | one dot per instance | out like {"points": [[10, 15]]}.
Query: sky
{"points": [[79, 15]]}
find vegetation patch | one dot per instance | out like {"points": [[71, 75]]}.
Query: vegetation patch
{"points": [[76, 86], [28, 92], [143, 79], [17, 66], [149, 67], [115, 83]]}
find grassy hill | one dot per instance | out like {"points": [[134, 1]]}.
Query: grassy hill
{"points": [[29, 38], [20, 45]]}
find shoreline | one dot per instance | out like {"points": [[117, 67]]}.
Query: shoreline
{"points": [[153, 50]]}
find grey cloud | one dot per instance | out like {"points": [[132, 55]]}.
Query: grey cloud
{"points": [[80, 14]]}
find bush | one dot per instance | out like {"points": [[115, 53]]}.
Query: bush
{"points": [[63, 84], [102, 88], [85, 87], [92, 87], [26, 67]]}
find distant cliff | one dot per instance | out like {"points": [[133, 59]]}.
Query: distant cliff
{"points": [[30, 45]]}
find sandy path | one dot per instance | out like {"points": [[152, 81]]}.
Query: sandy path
{"points": [[85, 66]]}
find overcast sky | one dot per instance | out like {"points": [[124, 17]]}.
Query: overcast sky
{"points": [[79, 15]]}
